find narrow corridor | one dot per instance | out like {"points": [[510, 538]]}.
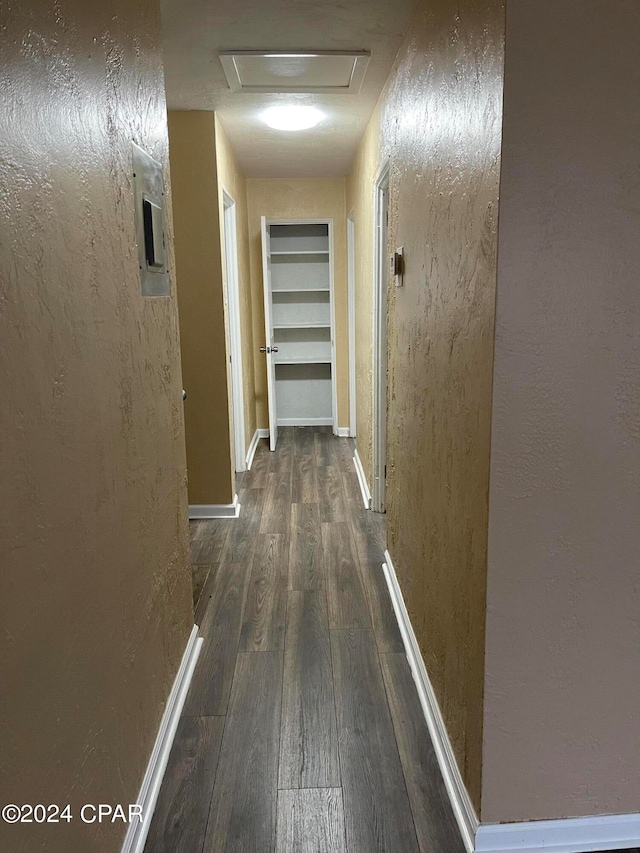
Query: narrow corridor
{"points": [[302, 730]]}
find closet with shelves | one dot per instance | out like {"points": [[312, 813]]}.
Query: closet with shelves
{"points": [[297, 258]]}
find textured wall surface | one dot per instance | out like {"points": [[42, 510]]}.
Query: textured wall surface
{"points": [[300, 198], [440, 123], [96, 592], [232, 179], [563, 630], [200, 297]]}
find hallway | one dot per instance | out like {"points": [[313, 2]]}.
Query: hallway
{"points": [[302, 730]]}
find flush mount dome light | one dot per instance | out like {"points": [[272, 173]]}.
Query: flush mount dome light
{"points": [[292, 117]]}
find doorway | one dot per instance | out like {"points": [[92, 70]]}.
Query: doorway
{"points": [[232, 308], [379, 438]]}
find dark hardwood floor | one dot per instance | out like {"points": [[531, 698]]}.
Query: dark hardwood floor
{"points": [[302, 731], [289, 742]]}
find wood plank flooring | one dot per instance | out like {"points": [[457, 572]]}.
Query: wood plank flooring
{"points": [[377, 810], [310, 821], [434, 821], [309, 740], [182, 811], [243, 805], [302, 731]]}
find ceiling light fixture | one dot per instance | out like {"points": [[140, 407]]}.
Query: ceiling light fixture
{"points": [[291, 117]]}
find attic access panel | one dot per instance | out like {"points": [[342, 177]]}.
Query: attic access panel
{"points": [[311, 71]]}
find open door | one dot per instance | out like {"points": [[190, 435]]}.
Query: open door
{"points": [[269, 349]]}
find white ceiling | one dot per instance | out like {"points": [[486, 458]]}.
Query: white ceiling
{"points": [[194, 31]]}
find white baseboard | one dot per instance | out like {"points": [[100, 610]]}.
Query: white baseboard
{"points": [[251, 452], [263, 433], [343, 432], [305, 422], [137, 833], [364, 488], [460, 801], [568, 835], [215, 510]]}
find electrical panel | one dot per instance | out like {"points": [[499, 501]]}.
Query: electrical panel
{"points": [[149, 198]]}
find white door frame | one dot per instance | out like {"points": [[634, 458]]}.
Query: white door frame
{"points": [[267, 349], [232, 300], [332, 301], [380, 233], [351, 298]]}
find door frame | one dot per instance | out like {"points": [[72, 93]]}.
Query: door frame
{"points": [[332, 312], [234, 329], [379, 420], [351, 309], [269, 332]]}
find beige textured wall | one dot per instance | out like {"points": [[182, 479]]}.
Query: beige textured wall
{"points": [[300, 198], [563, 629], [96, 592], [201, 302], [232, 179], [439, 122]]}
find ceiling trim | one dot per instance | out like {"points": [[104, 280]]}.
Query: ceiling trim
{"points": [[360, 61]]}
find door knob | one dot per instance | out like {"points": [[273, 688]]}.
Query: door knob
{"points": [[265, 349], [274, 349]]}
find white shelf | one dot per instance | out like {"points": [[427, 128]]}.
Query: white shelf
{"points": [[302, 325], [299, 311], [300, 290], [302, 252], [303, 391], [299, 237], [304, 360]]}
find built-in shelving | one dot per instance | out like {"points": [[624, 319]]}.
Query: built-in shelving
{"points": [[299, 258]]}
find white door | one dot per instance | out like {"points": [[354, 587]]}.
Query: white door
{"points": [[269, 349]]}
